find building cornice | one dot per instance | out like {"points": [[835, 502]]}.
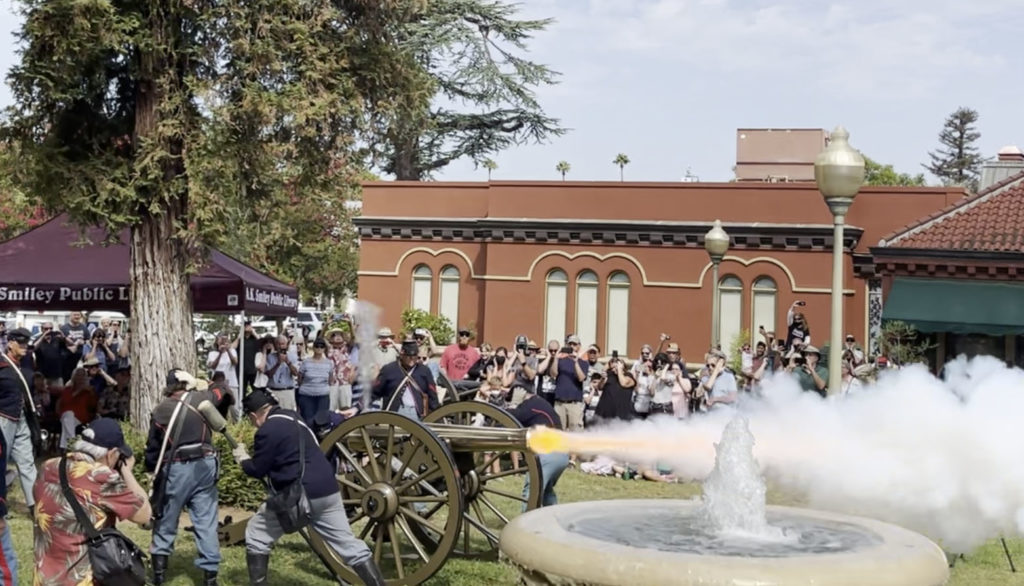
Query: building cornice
{"points": [[939, 263], [744, 236]]}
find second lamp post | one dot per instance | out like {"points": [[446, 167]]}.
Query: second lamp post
{"points": [[716, 242]]}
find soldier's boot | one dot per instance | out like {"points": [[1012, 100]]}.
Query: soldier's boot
{"points": [[159, 569], [209, 578], [257, 564], [369, 573]]}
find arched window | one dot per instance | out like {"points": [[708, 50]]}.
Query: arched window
{"points": [[764, 307], [586, 307], [618, 313], [556, 287], [422, 278], [448, 305], [730, 297]]}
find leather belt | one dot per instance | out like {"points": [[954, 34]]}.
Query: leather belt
{"points": [[193, 452]]}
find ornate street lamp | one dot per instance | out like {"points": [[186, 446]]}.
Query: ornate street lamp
{"points": [[716, 243], [839, 172]]}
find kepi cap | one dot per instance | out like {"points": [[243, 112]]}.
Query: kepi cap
{"points": [[19, 335], [258, 399]]}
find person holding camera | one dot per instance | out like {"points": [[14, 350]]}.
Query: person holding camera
{"points": [[569, 372], [719, 382], [181, 456], [799, 333], [811, 375], [616, 400], [100, 474], [282, 366]]}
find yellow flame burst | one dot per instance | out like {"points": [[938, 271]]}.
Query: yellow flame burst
{"points": [[544, 440]]}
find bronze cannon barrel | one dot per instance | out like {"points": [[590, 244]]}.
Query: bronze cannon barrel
{"points": [[474, 439]]}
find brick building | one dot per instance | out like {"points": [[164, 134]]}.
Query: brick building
{"points": [[619, 263], [955, 274]]}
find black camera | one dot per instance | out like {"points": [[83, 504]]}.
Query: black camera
{"points": [[615, 354], [521, 342], [799, 361]]}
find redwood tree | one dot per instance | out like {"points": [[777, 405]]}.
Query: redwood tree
{"points": [[171, 116]]}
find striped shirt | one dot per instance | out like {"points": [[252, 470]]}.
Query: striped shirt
{"points": [[316, 376]]}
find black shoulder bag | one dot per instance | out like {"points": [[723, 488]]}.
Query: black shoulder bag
{"points": [[291, 505], [115, 559]]}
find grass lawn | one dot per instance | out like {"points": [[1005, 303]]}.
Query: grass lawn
{"points": [[291, 562]]}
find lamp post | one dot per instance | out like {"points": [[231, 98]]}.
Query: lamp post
{"points": [[716, 243], [839, 172]]}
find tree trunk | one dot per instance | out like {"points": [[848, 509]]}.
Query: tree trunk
{"points": [[161, 304], [161, 314]]}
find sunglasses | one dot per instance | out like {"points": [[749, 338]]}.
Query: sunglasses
{"points": [[463, 334]]}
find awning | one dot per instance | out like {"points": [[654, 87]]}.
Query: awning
{"points": [[995, 308]]}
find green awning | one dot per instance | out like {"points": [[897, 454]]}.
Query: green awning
{"points": [[995, 308]]}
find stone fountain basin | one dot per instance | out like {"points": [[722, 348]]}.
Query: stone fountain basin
{"points": [[557, 546]]}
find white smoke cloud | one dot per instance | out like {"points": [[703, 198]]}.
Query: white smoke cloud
{"points": [[945, 459]]}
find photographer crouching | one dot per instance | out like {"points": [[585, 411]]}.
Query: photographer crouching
{"points": [[99, 472]]}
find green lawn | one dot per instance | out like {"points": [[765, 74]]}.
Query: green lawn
{"points": [[293, 564]]}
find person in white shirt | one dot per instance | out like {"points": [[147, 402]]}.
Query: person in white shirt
{"points": [[224, 358]]}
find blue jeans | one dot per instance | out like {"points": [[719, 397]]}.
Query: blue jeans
{"points": [[191, 484], [8, 561], [551, 468], [310, 405]]}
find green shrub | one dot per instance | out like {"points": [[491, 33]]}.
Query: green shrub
{"points": [[442, 329], [235, 487]]}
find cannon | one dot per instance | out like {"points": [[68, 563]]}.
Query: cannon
{"points": [[422, 492]]}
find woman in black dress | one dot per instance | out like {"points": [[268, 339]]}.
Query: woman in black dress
{"points": [[616, 388]]}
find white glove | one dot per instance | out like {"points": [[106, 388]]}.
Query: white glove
{"points": [[240, 454]]}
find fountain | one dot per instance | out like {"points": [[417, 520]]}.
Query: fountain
{"points": [[729, 537]]}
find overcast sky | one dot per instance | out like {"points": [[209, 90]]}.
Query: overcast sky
{"points": [[668, 81]]}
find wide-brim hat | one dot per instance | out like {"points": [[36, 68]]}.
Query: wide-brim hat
{"points": [[90, 362], [385, 333], [672, 347], [808, 349]]}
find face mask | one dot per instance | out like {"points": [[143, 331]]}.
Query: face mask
{"points": [[500, 360]]}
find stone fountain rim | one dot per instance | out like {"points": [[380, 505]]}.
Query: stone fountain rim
{"points": [[538, 540]]}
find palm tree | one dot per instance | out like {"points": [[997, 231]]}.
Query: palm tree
{"points": [[563, 168], [490, 165], [621, 160]]}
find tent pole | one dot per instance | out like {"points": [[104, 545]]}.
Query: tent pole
{"points": [[241, 358]]}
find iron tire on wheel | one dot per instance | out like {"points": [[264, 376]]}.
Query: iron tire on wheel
{"points": [[479, 497], [408, 511]]}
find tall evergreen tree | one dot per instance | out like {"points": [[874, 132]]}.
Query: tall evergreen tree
{"points": [[168, 117], [957, 161], [473, 95]]}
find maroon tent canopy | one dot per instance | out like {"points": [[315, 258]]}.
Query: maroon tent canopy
{"points": [[43, 269]]}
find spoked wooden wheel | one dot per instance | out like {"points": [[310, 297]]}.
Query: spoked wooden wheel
{"points": [[492, 481], [401, 487]]}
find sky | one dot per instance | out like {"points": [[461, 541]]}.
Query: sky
{"points": [[668, 82]]}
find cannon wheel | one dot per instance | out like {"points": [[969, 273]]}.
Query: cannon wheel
{"points": [[398, 484], [489, 507]]}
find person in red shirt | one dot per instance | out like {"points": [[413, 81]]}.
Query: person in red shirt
{"points": [[459, 357]]}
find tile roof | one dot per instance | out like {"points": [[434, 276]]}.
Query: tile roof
{"points": [[991, 221]]}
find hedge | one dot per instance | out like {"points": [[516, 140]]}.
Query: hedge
{"points": [[236, 489]]}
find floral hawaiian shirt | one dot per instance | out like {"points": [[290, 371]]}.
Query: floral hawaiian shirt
{"points": [[60, 552], [342, 366]]}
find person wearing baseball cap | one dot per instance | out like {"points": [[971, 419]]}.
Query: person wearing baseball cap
{"points": [[16, 421], [569, 372], [99, 466], [275, 457]]}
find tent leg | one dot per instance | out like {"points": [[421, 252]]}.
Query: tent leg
{"points": [[241, 358]]}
